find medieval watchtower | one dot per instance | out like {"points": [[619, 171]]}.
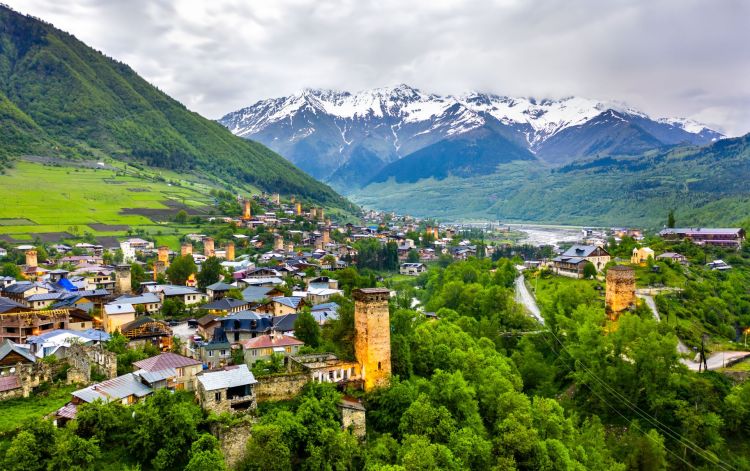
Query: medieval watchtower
{"points": [[372, 338], [620, 293], [122, 279]]}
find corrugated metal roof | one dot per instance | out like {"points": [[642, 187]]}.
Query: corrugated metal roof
{"points": [[152, 377], [114, 389], [228, 377], [164, 361]]}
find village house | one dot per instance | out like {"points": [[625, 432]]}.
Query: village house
{"points": [[229, 389], [146, 330], [216, 353], [641, 255], [573, 260], [114, 316], [264, 346], [722, 237], [18, 325], [169, 370], [225, 306], [325, 312], [218, 290], [412, 269], [674, 257], [283, 305], [245, 325], [189, 296], [57, 342], [149, 303]]}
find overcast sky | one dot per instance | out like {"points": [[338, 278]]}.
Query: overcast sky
{"points": [[679, 58]]}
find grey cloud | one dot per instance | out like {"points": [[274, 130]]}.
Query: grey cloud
{"points": [[669, 58]]}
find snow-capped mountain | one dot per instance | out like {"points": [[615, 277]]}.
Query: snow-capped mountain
{"points": [[346, 138]]}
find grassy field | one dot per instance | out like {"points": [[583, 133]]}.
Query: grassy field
{"points": [[15, 411], [44, 199]]}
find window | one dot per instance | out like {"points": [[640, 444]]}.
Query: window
{"points": [[83, 325], [210, 353], [217, 396], [223, 352], [289, 349], [379, 366]]}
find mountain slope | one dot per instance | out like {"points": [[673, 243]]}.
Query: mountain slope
{"points": [[59, 97], [704, 185], [325, 132], [471, 154]]}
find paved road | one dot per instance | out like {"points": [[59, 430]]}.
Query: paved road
{"points": [[715, 361], [524, 297]]}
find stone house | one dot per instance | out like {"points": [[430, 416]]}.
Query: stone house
{"points": [[641, 255], [115, 315], [229, 389], [353, 416], [412, 269], [169, 370]]}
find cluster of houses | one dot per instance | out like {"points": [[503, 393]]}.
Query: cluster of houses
{"points": [[573, 260]]}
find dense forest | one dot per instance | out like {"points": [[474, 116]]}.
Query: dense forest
{"points": [[60, 98], [480, 387]]}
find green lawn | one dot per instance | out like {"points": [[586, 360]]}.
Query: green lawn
{"points": [[15, 411]]}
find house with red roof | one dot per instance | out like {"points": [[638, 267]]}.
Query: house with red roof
{"points": [[263, 346]]}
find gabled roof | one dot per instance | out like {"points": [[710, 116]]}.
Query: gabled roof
{"points": [[290, 301], [256, 293], [284, 323], [224, 304], [164, 361], [219, 286], [227, 377], [243, 315], [7, 347], [115, 309], [582, 251], [114, 389], [270, 341], [145, 298], [7, 304]]}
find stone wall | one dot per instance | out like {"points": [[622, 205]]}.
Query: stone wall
{"points": [[354, 420], [280, 387], [82, 358], [233, 440], [29, 377]]}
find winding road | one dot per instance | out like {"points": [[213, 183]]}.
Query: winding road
{"points": [[715, 361]]}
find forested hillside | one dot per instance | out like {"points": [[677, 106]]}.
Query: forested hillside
{"points": [[704, 185], [59, 97]]}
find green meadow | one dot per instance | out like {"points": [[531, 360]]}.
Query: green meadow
{"points": [[47, 199]]}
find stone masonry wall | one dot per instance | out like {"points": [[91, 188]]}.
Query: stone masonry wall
{"points": [[280, 387], [372, 341]]}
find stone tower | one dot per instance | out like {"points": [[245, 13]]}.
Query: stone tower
{"points": [[278, 242], [326, 235], [122, 279], [186, 249], [290, 247], [313, 213], [230, 251], [620, 293], [31, 260], [298, 209], [163, 256], [208, 247], [321, 214], [372, 338], [276, 199], [246, 213]]}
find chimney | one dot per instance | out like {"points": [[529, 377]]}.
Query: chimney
{"points": [[163, 256], [208, 247], [31, 258], [230, 251], [186, 249], [122, 279]]}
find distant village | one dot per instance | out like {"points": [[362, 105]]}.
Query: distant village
{"points": [[78, 297]]}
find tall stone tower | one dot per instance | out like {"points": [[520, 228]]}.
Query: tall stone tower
{"points": [[246, 213], [372, 338], [186, 249], [298, 209], [230, 251], [122, 279], [620, 293], [326, 235], [163, 256], [31, 260], [276, 199], [278, 242], [208, 247]]}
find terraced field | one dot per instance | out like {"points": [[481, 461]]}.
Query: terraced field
{"points": [[54, 202]]}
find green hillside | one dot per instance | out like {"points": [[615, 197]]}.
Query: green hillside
{"points": [[705, 185], [60, 98]]}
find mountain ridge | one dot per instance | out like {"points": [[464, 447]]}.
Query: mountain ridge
{"points": [[323, 130]]}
